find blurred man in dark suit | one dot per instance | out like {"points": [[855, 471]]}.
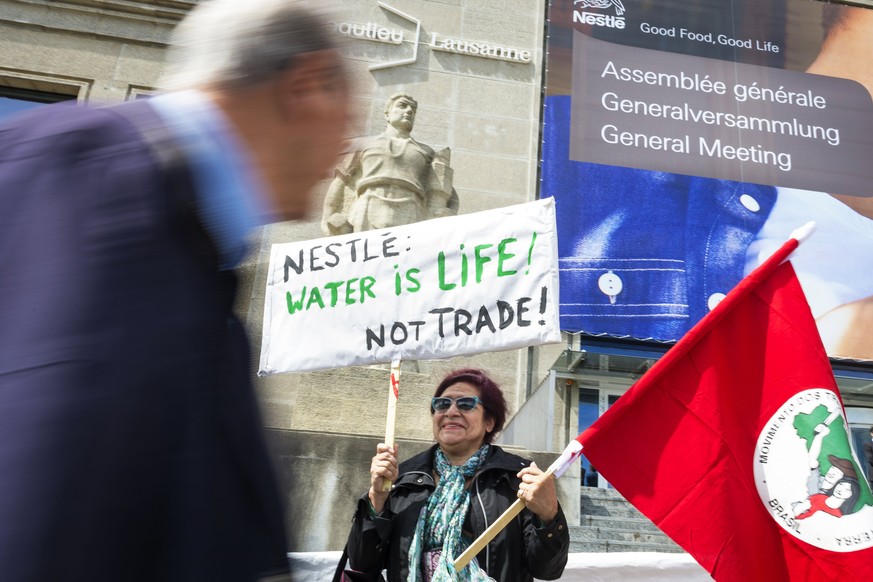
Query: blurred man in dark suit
{"points": [[131, 447]]}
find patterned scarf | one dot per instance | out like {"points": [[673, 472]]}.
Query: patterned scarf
{"points": [[441, 520]]}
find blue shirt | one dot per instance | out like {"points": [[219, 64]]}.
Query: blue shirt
{"points": [[231, 199], [643, 254]]}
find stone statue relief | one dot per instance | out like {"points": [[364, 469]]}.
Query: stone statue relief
{"points": [[390, 179]]}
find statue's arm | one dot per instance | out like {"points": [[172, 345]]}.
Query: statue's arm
{"points": [[333, 221], [449, 209], [453, 202], [341, 192], [442, 196]]}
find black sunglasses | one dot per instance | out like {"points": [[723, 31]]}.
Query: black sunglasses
{"points": [[464, 403]]}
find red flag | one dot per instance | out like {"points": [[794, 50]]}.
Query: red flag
{"points": [[736, 445]]}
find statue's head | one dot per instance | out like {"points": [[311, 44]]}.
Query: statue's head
{"points": [[390, 103], [400, 110]]}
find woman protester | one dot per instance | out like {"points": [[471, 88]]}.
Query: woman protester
{"points": [[444, 498]]}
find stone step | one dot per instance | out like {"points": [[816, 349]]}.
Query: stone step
{"points": [[609, 523], [582, 534], [614, 509], [601, 493], [595, 499], [598, 493], [618, 522], [595, 496], [614, 546]]}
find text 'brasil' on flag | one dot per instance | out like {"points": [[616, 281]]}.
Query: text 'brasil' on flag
{"points": [[736, 443]]}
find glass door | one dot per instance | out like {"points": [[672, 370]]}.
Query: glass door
{"points": [[589, 411], [592, 404]]}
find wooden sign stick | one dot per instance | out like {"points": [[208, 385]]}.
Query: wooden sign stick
{"points": [[393, 395], [495, 528]]}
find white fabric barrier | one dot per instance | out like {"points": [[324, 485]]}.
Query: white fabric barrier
{"points": [[618, 566]]}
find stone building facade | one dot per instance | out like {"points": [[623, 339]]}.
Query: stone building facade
{"points": [[474, 66]]}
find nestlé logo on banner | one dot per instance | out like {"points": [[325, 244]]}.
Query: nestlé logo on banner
{"points": [[615, 20]]}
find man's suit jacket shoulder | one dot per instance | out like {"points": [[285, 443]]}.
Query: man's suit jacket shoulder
{"points": [[81, 204], [79, 159]]}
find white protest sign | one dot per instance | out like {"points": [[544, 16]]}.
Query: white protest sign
{"points": [[445, 287]]}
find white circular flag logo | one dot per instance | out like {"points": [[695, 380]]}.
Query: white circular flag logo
{"points": [[808, 476]]}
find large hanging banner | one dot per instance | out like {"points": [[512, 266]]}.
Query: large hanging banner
{"points": [[452, 286], [685, 140]]}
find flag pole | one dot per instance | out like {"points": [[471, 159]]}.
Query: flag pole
{"points": [[393, 395], [495, 528], [467, 556], [562, 463]]}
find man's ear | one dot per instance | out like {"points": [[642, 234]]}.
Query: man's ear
{"points": [[310, 76]]}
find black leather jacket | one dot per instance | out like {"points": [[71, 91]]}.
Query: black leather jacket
{"points": [[523, 550]]}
